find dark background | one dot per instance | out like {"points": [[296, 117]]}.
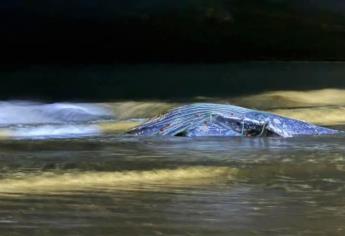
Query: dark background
{"points": [[50, 49], [132, 31], [183, 82]]}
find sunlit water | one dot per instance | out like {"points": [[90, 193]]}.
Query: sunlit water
{"points": [[66, 169]]}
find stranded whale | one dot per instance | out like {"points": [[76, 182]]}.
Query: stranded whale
{"points": [[207, 119]]}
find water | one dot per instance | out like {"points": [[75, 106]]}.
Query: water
{"points": [[118, 185], [67, 169]]}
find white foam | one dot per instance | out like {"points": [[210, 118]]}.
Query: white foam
{"points": [[14, 113], [22, 119], [53, 131]]}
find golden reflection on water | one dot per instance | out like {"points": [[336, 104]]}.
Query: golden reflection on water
{"points": [[293, 99], [317, 115], [117, 127], [142, 109], [46, 182]]}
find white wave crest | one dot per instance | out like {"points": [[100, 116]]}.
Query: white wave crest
{"points": [[16, 113]]}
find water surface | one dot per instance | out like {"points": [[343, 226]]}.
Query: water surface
{"points": [[68, 168], [115, 185]]}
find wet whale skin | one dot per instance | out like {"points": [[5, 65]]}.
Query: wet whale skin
{"points": [[208, 119]]}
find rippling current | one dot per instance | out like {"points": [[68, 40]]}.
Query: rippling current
{"points": [[67, 170]]}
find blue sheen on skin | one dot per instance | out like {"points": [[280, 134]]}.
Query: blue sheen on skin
{"points": [[207, 119], [211, 129], [287, 127]]}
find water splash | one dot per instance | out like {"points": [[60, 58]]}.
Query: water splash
{"points": [[19, 113], [22, 119]]}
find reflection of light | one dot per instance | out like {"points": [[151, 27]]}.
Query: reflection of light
{"points": [[293, 99], [124, 179]]}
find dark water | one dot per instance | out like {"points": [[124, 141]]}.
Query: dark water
{"points": [[166, 81], [117, 185]]}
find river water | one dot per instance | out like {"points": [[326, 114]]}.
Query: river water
{"points": [[68, 169]]}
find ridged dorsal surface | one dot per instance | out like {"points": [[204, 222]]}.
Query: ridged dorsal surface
{"points": [[207, 119]]}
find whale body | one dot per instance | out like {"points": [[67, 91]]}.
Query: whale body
{"points": [[208, 119]]}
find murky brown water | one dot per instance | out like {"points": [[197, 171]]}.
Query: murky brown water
{"points": [[115, 185]]}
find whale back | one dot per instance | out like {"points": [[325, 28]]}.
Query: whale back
{"points": [[207, 119]]}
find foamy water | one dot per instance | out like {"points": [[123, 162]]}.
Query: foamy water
{"points": [[26, 112], [25, 119]]}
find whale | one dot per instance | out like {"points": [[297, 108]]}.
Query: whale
{"points": [[209, 119]]}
